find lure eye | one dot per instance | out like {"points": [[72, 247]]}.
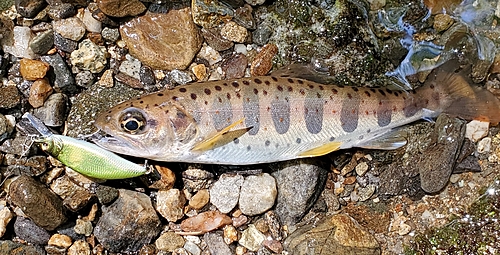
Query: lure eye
{"points": [[133, 121]]}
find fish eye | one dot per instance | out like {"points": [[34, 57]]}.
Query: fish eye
{"points": [[133, 121]]}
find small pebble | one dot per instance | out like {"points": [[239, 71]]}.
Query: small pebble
{"points": [[225, 192], [234, 32], [255, 2], [170, 204], [131, 66], [84, 79], [127, 7], [205, 222], [366, 193], [251, 238], [20, 47], [263, 62], [209, 54], [59, 11], [216, 244], [272, 221], [484, 146], [29, 8], [89, 56], [200, 71], [10, 97], [53, 111], [169, 241], [107, 79], [33, 69], [235, 66], [79, 247], [200, 199], [261, 35], [42, 42], [180, 77], [215, 40], [64, 80], [442, 22], [110, 34], [70, 28], [64, 44], [29, 231], [257, 195], [361, 168], [192, 248], [5, 217], [147, 76], [39, 92], [240, 220], [475, 130], [230, 234], [59, 240], [273, 245], [92, 25]]}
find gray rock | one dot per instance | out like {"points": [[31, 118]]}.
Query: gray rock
{"points": [[53, 111], [110, 34], [63, 80], [192, 248], [16, 146], [225, 192], [180, 77], [37, 202], [42, 42], [36, 165], [257, 194], [195, 179], [215, 40], [29, 8], [131, 66], [300, 183], [84, 79], [9, 97], [106, 194], [147, 77], [251, 238], [70, 28], [64, 44], [261, 35], [216, 244], [9, 247], [128, 223], [30, 232], [59, 11]]}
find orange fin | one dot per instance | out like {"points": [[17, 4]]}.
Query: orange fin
{"points": [[222, 137], [322, 150]]}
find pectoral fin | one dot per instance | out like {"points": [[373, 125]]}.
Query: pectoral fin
{"points": [[387, 141], [321, 150], [222, 137]]}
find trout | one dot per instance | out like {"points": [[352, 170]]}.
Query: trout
{"points": [[267, 119]]}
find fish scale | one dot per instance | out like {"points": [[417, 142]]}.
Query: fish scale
{"points": [[267, 119]]}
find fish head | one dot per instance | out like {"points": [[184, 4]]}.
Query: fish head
{"points": [[50, 144], [157, 131]]}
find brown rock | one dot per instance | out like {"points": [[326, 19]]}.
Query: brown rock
{"points": [[164, 41], [121, 8], [263, 62], [442, 22], [200, 199], [9, 97], [205, 222], [235, 66], [167, 178], [33, 69], [200, 71], [234, 32], [39, 92]]}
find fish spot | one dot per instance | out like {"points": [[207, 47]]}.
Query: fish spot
{"points": [[349, 95], [290, 89], [373, 90], [290, 80], [182, 90], [280, 88], [160, 94], [245, 82], [264, 92], [258, 81], [388, 91], [349, 114], [207, 91], [280, 114], [368, 94], [206, 102], [218, 88], [313, 113], [155, 105], [355, 89], [396, 94], [228, 96], [267, 83], [267, 143], [310, 86], [361, 137], [141, 102], [321, 87], [274, 78], [298, 140], [410, 108], [256, 91], [249, 148], [236, 140], [381, 92], [235, 84], [334, 91], [302, 92], [432, 86], [225, 84], [368, 131], [174, 98], [193, 96], [238, 95], [300, 81], [331, 139]]}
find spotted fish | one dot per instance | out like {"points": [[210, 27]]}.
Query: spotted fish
{"points": [[268, 119]]}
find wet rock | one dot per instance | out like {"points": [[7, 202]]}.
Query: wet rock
{"points": [[36, 164], [147, 77], [215, 40], [128, 223], [209, 14], [37, 202], [170, 204], [339, 234], [28, 231], [89, 56], [29, 8], [79, 247], [70, 28], [200, 199], [5, 217], [262, 63], [257, 195], [121, 8], [251, 238], [74, 197], [161, 34], [33, 69], [20, 45], [299, 185], [42, 42], [438, 160], [205, 222], [225, 192], [169, 241], [63, 80], [64, 44], [235, 66], [442, 22], [261, 35], [9, 97], [59, 240], [216, 244], [84, 79], [53, 111], [110, 34], [60, 11], [476, 130], [15, 146], [9, 247], [131, 66], [92, 25], [234, 32]]}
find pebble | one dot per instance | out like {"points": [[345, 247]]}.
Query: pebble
{"points": [[273, 224], [366, 193], [273, 245], [58, 11], [91, 24], [79, 247], [30, 232], [180, 77], [126, 7], [475, 130], [9, 247], [200, 71], [484, 146], [209, 54], [169, 241], [170, 204], [216, 244], [64, 44], [59, 240], [53, 111], [20, 47], [110, 34], [230, 234], [261, 35], [42, 42], [263, 62], [234, 32], [64, 80], [33, 69], [9, 97], [214, 39], [205, 222], [70, 28], [235, 66], [74, 197], [225, 192], [210, 14], [5, 217], [84, 79], [200, 199], [243, 16], [147, 77], [106, 194], [38, 203], [251, 238], [128, 80], [106, 79], [442, 22], [192, 248], [89, 56], [83, 227], [130, 217], [257, 195], [29, 8], [361, 169], [300, 183], [255, 2], [160, 33], [131, 66]]}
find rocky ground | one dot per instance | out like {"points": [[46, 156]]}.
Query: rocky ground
{"points": [[66, 61]]}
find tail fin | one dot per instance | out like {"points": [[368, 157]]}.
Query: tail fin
{"points": [[458, 98]]}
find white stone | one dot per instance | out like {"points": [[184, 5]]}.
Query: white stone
{"points": [[89, 56], [211, 55], [225, 192], [131, 66], [484, 146], [240, 48], [251, 238], [257, 194], [91, 24], [70, 28], [5, 217], [361, 169], [20, 48], [192, 248], [476, 130]]}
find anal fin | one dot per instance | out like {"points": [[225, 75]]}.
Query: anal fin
{"points": [[322, 150], [391, 140], [222, 137]]}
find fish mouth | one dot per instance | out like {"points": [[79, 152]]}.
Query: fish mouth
{"points": [[116, 144]]}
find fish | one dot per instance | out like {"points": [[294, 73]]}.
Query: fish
{"points": [[84, 157], [274, 118]]}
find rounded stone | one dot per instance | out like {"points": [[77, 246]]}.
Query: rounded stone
{"points": [[169, 241], [39, 92], [257, 194], [70, 28], [225, 192], [121, 8], [33, 69]]}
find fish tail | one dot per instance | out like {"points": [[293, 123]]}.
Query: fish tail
{"points": [[450, 90]]}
